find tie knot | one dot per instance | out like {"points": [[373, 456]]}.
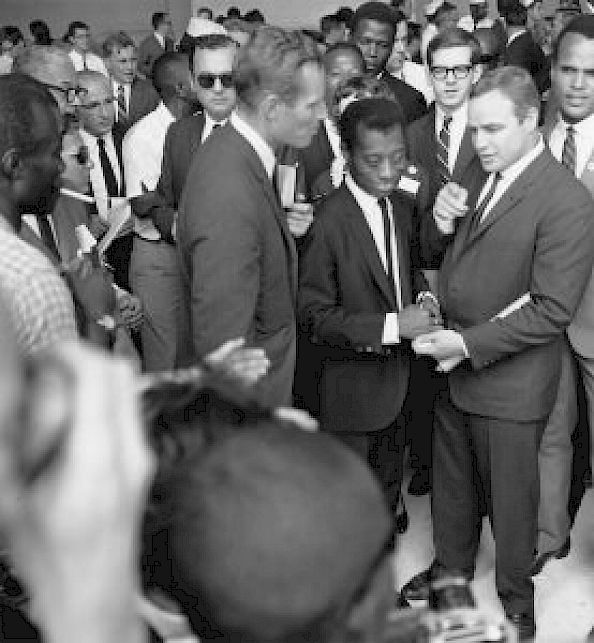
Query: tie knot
{"points": [[101, 141], [570, 130]]}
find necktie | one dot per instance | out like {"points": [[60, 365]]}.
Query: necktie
{"points": [[109, 176], [47, 236], [443, 146], [85, 62], [568, 154], [482, 206], [122, 109], [388, 243]]}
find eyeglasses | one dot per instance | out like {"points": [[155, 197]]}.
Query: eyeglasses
{"points": [[207, 81], [99, 103], [81, 155], [459, 72], [71, 93]]}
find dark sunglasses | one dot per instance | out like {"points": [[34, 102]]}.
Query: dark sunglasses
{"points": [[207, 81], [82, 155]]}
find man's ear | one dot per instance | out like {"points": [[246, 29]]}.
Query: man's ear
{"points": [[270, 107], [11, 163]]}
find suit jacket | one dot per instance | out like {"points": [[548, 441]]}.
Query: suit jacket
{"points": [[143, 99], [538, 238], [524, 52], [412, 101], [316, 158], [148, 51], [239, 258], [344, 295], [422, 150], [581, 329]]}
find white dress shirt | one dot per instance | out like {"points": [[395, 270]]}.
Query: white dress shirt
{"points": [[373, 216], [457, 129], [508, 176], [333, 138], [263, 150], [115, 85], [97, 179], [584, 142], [142, 156], [89, 61], [209, 124]]}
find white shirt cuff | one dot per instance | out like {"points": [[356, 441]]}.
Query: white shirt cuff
{"points": [[444, 225], [390, 334]]}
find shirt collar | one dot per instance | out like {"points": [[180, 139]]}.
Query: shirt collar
{"points": [[367, 202], [458, 116], [516, 34], [209, 121], [514, 170], [583, 128], [162, 112], [263, 150]]}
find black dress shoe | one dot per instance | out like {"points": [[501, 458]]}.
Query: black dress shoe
{"points": [[524, 624], [420, 483], [541, 560], [418, 587]]}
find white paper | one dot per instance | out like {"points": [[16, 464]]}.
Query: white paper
{"points": [[119, 213]]}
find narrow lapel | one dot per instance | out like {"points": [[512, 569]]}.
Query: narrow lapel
{"points": [[512, 196], [587, 177], [465, 155], [363, 235]]}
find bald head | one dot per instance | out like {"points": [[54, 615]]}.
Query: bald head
{"points": [[96, 111], [274, 530]]}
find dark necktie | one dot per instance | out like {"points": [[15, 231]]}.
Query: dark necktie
{"points": [[443, 146], [47, 236], [568, 154], [122, 110], [482, 206], [388, 243], [109, 176]]}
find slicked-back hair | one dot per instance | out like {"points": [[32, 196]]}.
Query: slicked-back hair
{"points": [[116, 42], [72, 27], [455, 37], [581, 25], [377, 114], [515, 84], [157, 18], [165, 73], [349, 47], [269, 64], [214, 41], [19, 94], [377, 11]]}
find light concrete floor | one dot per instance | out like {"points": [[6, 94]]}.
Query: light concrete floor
{"points": [[564, 602]]}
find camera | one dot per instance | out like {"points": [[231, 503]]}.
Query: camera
{"points": [[451, 617]]}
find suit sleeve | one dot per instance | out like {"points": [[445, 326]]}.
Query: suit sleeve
{"points": [[562, 264], [320, 314], [223, 249]]}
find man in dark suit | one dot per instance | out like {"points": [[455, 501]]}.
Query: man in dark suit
{"points": [[236, 247], [135, 97], [373, 30], [155, 44], [356, 293], [440, 142], [511, 279], [521, 50]]}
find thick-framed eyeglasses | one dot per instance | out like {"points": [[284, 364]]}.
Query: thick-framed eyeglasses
{"points": [[99, 103], [207, 81], [70, 93], [459, 72], [81, 155]]}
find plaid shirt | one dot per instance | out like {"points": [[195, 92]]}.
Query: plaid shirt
{"points": [[40, 303]]}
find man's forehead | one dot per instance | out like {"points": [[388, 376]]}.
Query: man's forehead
{"points": [[214, 59], [461, 55], [123, 53], [343, 58], [96, 88], [372, 140], [370, 26], [578, 47], [491, 107]]}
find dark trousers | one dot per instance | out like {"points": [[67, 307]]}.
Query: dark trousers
{"points": [[118, 255], [480, 460], [383, 451]]}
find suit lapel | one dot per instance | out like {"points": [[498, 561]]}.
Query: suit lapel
{"points": [[514, 194], [368, 248], [402, 245], [465, 155], [587, 177]]}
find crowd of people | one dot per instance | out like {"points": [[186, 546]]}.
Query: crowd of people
{"points": [[289, 254]]}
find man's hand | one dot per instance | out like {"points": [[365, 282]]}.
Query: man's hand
{"points": [[443, 345], [247, 365], [415, 320], [299, 218], [92, 287], [129, 310], [74, 497], [450, 204]]}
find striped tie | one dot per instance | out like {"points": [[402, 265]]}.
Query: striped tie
{"points": [[443, 146], [122, 110], [568, 154], [479, 212]]}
